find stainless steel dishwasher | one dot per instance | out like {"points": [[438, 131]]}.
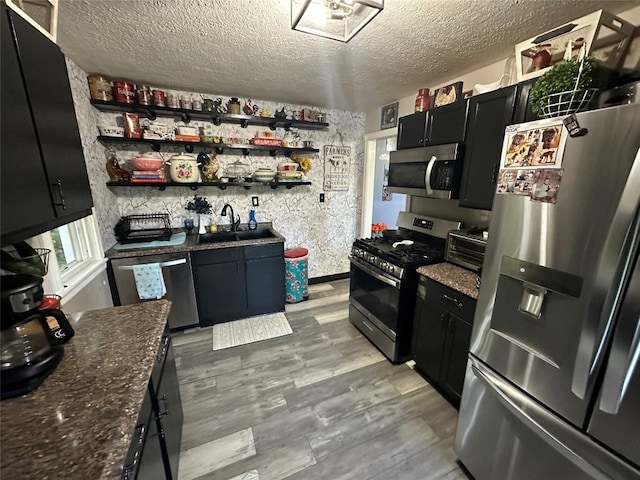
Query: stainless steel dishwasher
{"points": [[178, 278]]}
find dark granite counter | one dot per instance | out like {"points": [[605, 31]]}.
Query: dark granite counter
{"points": [[78, 424], [458, 278], [191, 244]]}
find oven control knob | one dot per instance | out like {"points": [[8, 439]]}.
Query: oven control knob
{"points": [[390, 268], [383, 266]]}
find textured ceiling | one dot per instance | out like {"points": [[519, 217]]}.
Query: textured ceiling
{"points": [[246, 48]]}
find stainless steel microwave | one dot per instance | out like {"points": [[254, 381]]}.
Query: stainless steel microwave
{"points": [[433, 171]]}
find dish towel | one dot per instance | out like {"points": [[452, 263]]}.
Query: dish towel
{"points": [[149, 281]]}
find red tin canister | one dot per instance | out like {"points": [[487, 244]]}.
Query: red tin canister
{"points": [[124, 92], [159, 99]]}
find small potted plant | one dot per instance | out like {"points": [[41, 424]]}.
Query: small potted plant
{"points": [[200, 206], [568, 87]]}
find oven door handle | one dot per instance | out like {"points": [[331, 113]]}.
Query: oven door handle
{"points": [[427, 175], [383, 278]]}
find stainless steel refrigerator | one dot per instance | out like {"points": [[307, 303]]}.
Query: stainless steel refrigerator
{"points": [[552, 387]]}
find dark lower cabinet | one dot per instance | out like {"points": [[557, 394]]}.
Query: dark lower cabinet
{"points": [[155, 447], [36, 98], [145, 461], [454, 359], [442, 336], [220, 284], [169, 415], [238, 282]]}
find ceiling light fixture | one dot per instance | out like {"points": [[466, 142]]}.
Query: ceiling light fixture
{"points": [[335, 19]]}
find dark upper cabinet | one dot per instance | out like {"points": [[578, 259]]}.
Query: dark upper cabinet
{"points": [[524, 112], [437, 126], [489, 114], [447, 123], [24, 187], [412, 130], [49, 116]]}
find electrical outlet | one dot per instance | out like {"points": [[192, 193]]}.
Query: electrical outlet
{"points": [[255, 202], [322, 198]]}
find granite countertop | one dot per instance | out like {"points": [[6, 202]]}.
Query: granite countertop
{"points": [[458, 278], [79, 423], [191, 244]]}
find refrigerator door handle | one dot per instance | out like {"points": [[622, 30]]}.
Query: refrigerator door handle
{"points": [[625, 230], [617, 378], [535, 418]]}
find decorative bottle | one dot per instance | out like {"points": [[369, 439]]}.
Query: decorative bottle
{"points": [[422, 100], [253, 224]]}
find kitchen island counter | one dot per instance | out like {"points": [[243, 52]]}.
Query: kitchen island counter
{"points": [[458, 278], [191, 244], [79, 423]]}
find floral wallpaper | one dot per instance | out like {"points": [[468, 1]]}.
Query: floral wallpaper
{"points": [[326, 229]]}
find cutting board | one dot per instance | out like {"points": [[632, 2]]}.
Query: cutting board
{"points": [[176, 239]]}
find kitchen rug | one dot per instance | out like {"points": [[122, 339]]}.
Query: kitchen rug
{"points": [[250, 330]]}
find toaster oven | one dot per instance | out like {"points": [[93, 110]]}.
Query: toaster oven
{"points": [[465, 249]]}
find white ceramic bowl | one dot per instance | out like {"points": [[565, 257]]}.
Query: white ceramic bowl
{"points": [[287, 166], [187, 131], [107, 131], [265, 175]]}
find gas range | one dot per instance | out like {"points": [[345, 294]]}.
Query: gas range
{"points": [[383, 280], [396, 258]]}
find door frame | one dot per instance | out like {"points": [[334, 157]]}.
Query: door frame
{"points": [[369, 172]]}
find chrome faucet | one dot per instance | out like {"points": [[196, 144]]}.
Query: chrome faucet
{"points": [[235, 224]]}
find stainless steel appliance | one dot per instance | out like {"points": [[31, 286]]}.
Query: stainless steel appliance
{"points": [[466, 249], [552, 383], [178, 278], [31, 337], [428, 171], [383, 280]]}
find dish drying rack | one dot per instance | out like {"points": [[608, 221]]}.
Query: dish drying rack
{"points": [[143, 228]]}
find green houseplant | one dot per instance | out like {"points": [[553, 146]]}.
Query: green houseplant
{"points": [[568, 87]]}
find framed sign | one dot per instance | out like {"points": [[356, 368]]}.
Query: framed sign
{"points": [[337, 160], [389, 116]]}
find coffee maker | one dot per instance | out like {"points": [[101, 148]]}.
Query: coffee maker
{"points": [[31, 337]]}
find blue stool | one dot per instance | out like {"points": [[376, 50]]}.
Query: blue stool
{"points": [[296, 274]]}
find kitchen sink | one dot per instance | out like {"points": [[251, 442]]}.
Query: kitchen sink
{"points": [[217, 237], [254, 234], [235, 236]]}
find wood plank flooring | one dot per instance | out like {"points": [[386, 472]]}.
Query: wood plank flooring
{"points": [[322, 403]]}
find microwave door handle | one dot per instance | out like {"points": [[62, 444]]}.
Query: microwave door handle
{"points": [[427, 175]]}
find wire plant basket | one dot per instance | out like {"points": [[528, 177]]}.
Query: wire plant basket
{"points": [[35, 264], [568, 102]]}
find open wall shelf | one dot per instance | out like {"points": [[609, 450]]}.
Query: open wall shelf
{"points": [[152, 112], [220, 185], [220, 148]]}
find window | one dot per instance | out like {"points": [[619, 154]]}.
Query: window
{"points": [[76, 254]]}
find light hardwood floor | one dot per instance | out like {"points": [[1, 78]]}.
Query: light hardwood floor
{"points": [[321, 403]]}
